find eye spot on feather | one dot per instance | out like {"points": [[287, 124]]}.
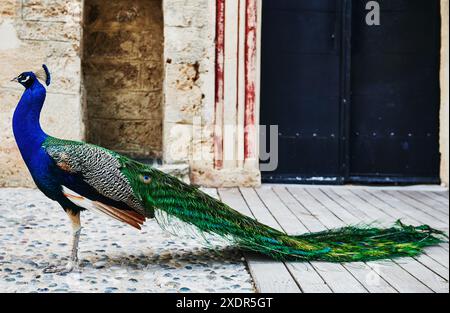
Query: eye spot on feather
{"points": [[146, 179]]}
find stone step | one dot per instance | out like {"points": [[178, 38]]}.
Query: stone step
{"points": [[180, 171]]}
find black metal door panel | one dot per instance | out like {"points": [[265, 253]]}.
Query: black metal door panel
{"points": [[395, 93], [354, 103], [300, 85]]}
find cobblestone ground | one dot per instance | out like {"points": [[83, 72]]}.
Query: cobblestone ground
{"points": [[35, 232]]}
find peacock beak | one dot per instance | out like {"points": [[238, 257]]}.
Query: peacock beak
{"points": [[15, 79]]}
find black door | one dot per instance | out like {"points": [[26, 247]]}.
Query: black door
{"points": [[395, 101], [354, 103], [300, 91]]}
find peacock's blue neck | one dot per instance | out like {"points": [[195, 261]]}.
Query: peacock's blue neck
{"points": [[26, 125]]}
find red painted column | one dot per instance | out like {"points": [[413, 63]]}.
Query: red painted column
{"points": [[249, 76], [250, 79], [220, 83]]}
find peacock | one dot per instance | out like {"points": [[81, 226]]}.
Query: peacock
{"points": [[81, 176]]}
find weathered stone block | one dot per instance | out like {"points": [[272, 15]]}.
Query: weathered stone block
{"points": [[124, 44], [178, 143], [13, 172], [180, 171], [62, 116], [60, 57], [60, 50], [128, 106], [183, 76], [10, 98], [52, 10], [66, 74], [183, 96], [125, 15], [134, 138], [9, 8], [202, 146], [100, 75], [150, 46], [152, 76], [111, 44], [48, 31], [186, 13], [183, 106], [209, 177], [187, 45]]}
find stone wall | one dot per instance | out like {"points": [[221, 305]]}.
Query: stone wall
{"points": [[123, 75], [445, 93], [189, 49], [149, 83], [189, 109], [34, 32]]}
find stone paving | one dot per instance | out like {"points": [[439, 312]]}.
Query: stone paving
{"points": [[35, 232]]}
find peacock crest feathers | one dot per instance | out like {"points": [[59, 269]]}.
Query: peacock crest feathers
{"points": [[43, 74]]}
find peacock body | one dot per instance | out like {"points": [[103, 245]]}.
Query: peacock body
{"points": [[81, 176]]}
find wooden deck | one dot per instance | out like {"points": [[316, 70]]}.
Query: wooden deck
{"points": [[296, 209]]}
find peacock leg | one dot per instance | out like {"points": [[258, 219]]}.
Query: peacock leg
{"points": [[73, 262]]}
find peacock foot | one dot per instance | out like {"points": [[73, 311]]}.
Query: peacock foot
{"points": [[62, 270]]}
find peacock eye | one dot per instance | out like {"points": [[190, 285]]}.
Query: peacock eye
{"points": [[23, 78], [146, 179]]}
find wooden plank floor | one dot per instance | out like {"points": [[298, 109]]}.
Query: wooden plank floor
{"points": [[298, 209]]}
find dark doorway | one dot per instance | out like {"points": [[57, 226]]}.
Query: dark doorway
{"points": [[395, 93], [301, 84], [354, 103]]}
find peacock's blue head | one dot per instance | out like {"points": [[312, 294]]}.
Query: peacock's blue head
{"points": [[27, 79]]}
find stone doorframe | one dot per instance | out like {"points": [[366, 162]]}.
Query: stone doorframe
{"points": [[211, 89], [445, 93], [212, 82]]}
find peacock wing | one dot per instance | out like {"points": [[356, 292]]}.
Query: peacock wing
{"points": [[100, 169]]}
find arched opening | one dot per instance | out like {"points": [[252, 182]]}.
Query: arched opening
{"points": [[123, 75]]}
